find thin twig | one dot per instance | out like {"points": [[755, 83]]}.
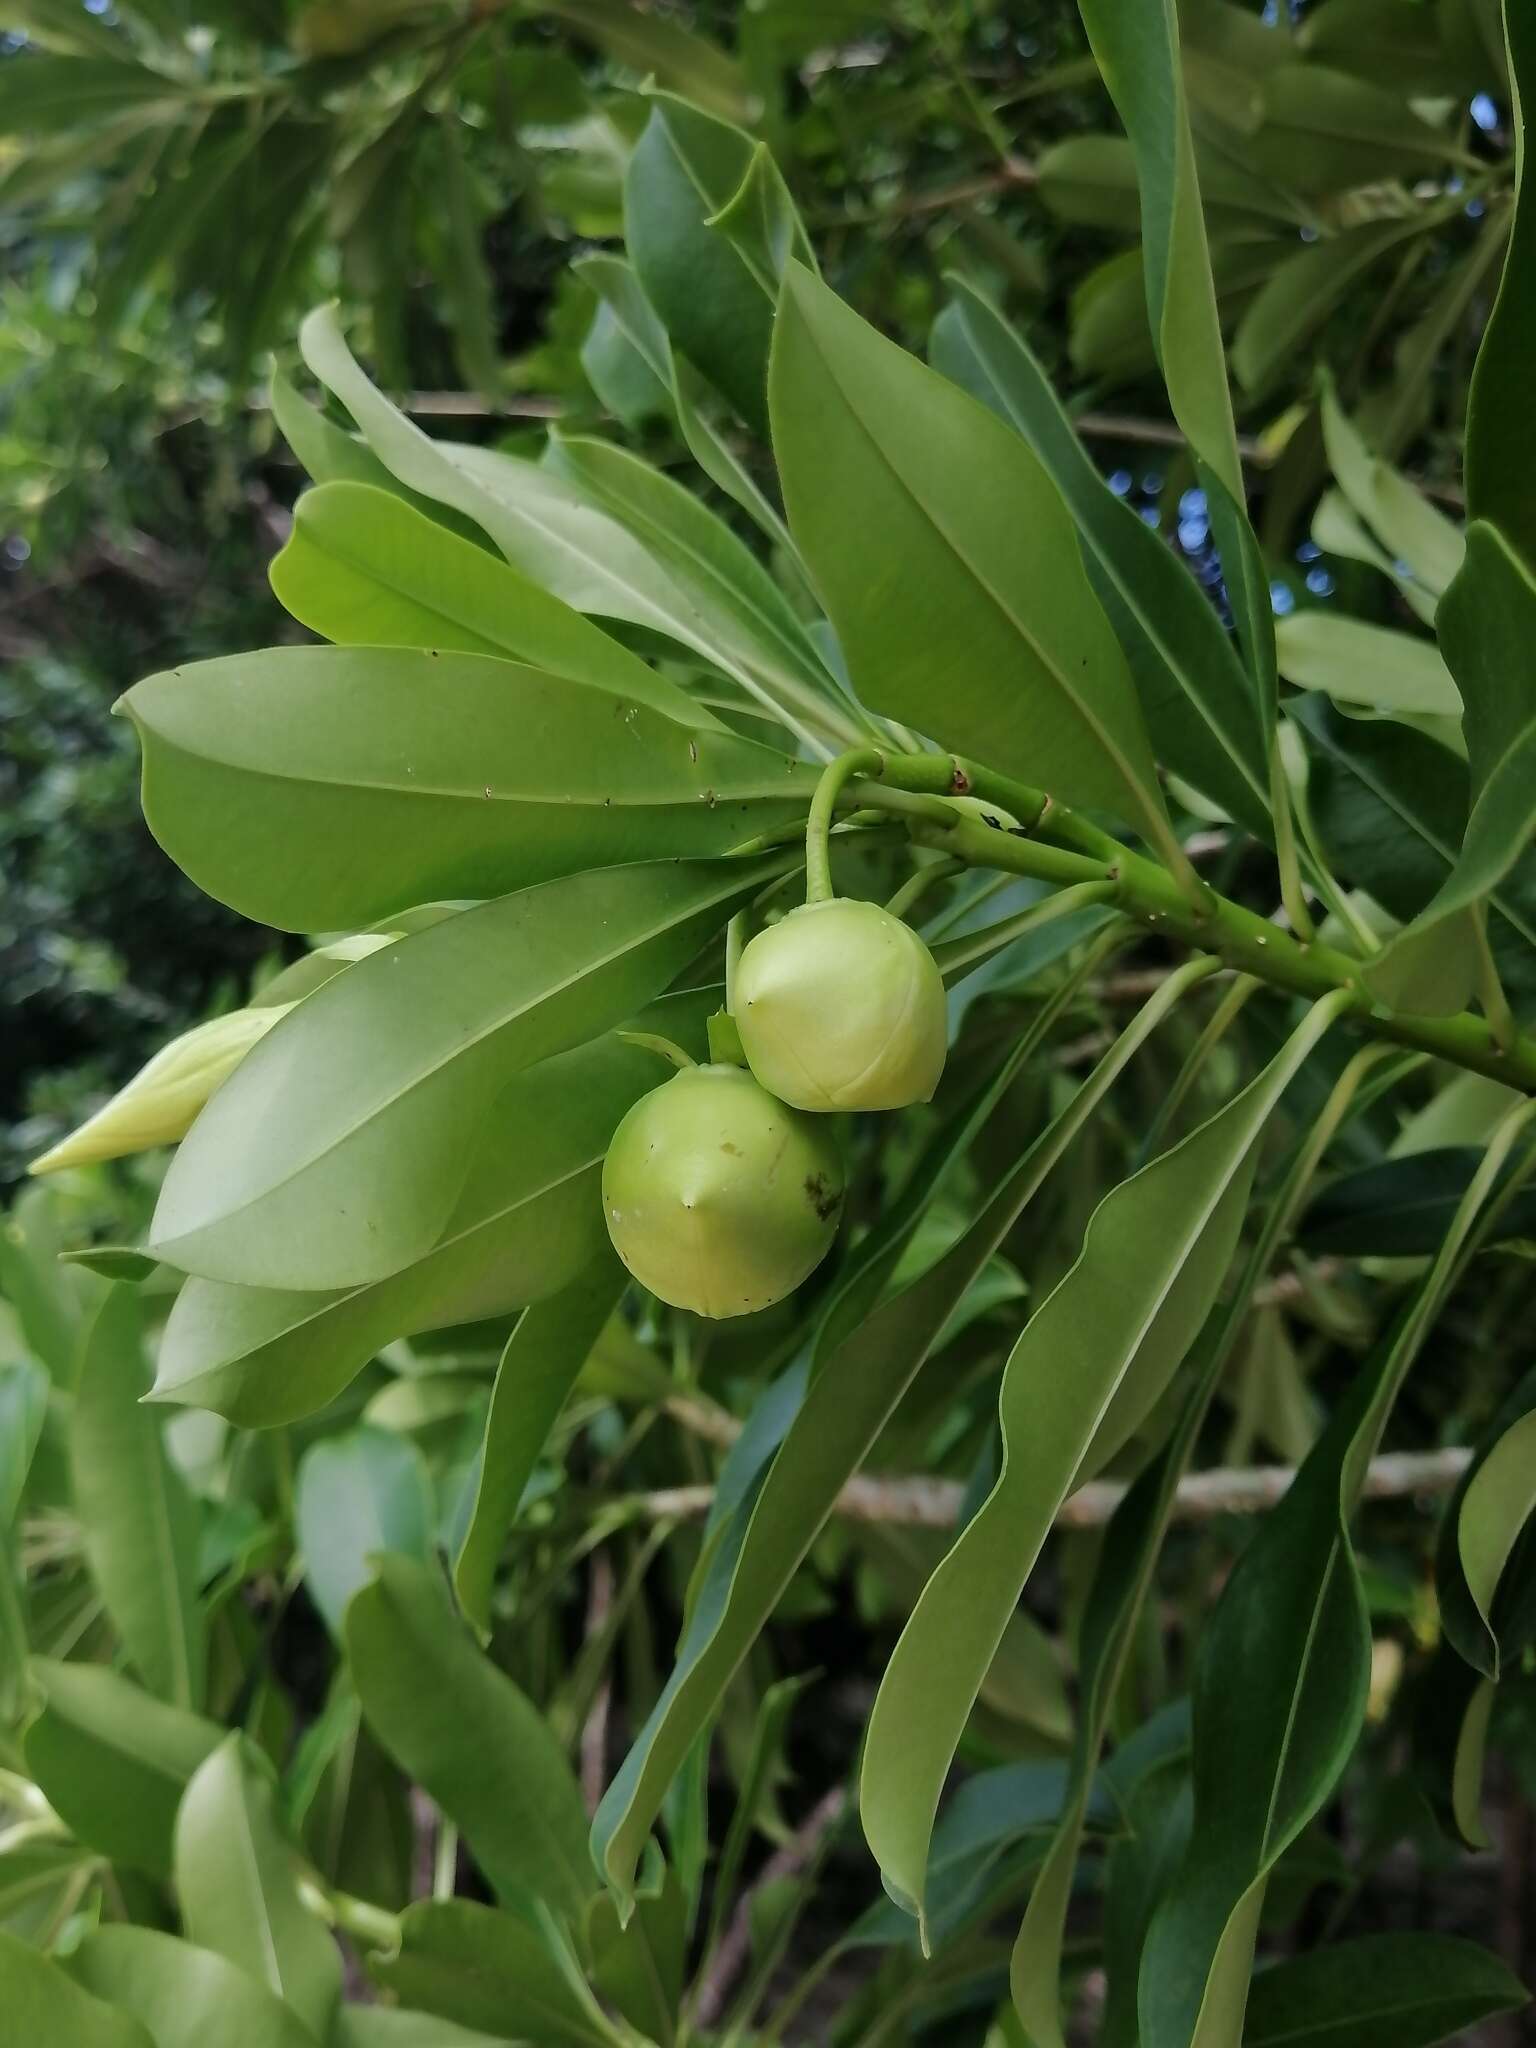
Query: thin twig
{"points": [[920, 1503], [736, 1942], [594, 1733]]}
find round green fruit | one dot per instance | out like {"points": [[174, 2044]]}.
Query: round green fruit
{"points": [[840, 1006], [718, 1197]]}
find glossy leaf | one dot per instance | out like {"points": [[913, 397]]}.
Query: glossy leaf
{"points": [[655, 46], [490, 1970], [1372, 666], [1410, 529], [1501, 433], [1379, 1991], [358, 1495], [1486, 622], [384, 2026], [686, 168], [1091, 1363], [138, 1521], [1402, 1207], [544, 1354], [184, 1996], [1282, 1682], [23, 1407], [113, 1761], [43, 2004], [1482, 1570], [389, 1066], [1193, 692], [528, 1219], [905, 497], [237, 1882], [313, 788], [362, 568], [471, 1739], [557, 535]]}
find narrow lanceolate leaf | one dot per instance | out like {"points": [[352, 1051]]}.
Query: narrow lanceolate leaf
{"points": [[1416, 537], [1189, 679], [364, 569], [471, 1739], [23, 1406], [358, 1495], [1483, 1575], [1501, 432], [783, 1477], [185, 1996], [908, 500], [112, 1760], [336, 1153], [1373, 666], [558, 535], [1090, 1365], [478, 1967], [1379, 1991], [538, 1369], [236, 1879], [318, 787], [527, 1222], [42, 2003], [139, 1523], [1139, 57], [1122, 1579], [1282, 1682], [1486, 622]]}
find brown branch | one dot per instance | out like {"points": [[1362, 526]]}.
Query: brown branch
{"points": [[921, 1503], [736, 1943]]}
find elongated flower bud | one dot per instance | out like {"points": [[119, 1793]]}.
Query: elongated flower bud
{"points": [[158, 1105], [840, 1006]]}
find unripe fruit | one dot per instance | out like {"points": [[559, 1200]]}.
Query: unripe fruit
{"points": [[718, 1197], [840, 1006]]}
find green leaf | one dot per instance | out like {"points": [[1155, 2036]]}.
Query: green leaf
{"points": [[43, 2005], [362, 568], [529, 1217], [754, 631], [40, 95], [1303, 290], [23, 1407], [655, 46], [1091, 1363], [322, 787], [544, 1354], [634, 320], [471, 1739], [1402, 1208], [1282, 1681], [357, 1495], [468, 290], [1486, 621], [361, 1171], [906, 498], [381, 2026], [138, 1521], [1373, 666], [1193, 692], [185, 1996], [638, 1967], [49, 1309], [1482, 1568], [1324, 131], [1409, 528], [561, 537], [1501, 433], [489, 1970], [237, 1883], [1379, 1991], [112, 1761], [686, 168]]}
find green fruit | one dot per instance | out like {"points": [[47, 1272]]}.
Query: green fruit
{"points": [[719, 1198], [840, 1006]]}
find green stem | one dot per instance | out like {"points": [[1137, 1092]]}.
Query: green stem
{"points": [[916, 887], [1240, 939], [818, 823], [1292, 894]]}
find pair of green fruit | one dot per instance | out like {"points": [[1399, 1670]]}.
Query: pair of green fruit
{"points": [[722, 1188]]}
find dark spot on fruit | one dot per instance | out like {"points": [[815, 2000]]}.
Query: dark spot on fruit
{"points": [[734, 1150], [825, 1200]]}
